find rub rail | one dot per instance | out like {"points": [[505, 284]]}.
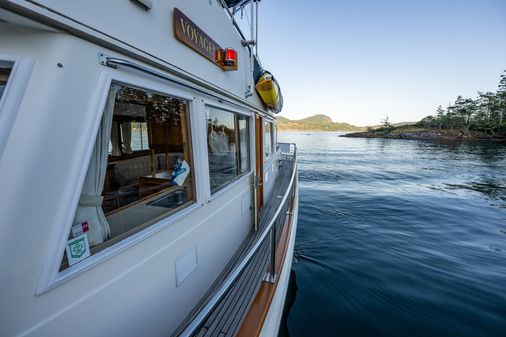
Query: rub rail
{"points": [[198, 319]]}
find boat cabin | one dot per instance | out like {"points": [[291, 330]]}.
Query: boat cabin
{"points": [[144, 190]]}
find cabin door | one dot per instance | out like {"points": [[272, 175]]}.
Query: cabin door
{"points": [[259, 171]]}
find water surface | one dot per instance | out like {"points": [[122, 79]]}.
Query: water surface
{"points": [[399, 238]]}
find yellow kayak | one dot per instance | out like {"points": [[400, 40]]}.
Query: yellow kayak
{"points": [[269, 91]]}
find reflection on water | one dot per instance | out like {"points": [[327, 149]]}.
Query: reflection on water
{"points": [[399, 238], [489, 189], [291, 294]]}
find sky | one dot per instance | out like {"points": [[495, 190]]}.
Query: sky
{"points": [[360, 61]]}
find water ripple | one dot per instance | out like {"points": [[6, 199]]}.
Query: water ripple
{"points": [[399, 238]]}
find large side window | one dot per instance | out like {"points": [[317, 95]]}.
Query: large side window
{"points": [[268, 139], [5, 71], [140, 170], [228, 147]]}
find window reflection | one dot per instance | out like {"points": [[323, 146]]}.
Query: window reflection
{"points": [[140, 171], [5, 72], [228, 147], [268, 139], [244, 143]]}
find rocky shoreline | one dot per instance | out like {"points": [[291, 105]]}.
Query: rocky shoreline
{"points": [[428, 134]]}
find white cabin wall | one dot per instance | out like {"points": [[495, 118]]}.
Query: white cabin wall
{"points": [[133, 292], [140, 291], [152, 32]]}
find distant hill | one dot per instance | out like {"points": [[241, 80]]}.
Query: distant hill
{"points": [[315, 123], [317, 119]]}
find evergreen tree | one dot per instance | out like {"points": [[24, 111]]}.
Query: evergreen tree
{"points": [[386, 125], [501, 95], [440, 113], [486, 113]]}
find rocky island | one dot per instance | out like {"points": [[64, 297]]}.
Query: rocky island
{"points": [[411, 132], [482, 118]]}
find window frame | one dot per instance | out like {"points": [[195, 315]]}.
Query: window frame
{"points": [[13, 94], [248, 145], [240, 178], [51, 277]]}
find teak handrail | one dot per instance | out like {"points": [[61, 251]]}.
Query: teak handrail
{"points": [[198, 319]]}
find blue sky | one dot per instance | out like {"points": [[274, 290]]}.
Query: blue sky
{"points": [[358, 61]]}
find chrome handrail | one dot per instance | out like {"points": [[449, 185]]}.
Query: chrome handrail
{"points": [[198, 318], [114, 62]]}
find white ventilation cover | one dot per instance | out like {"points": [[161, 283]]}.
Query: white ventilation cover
{"points": [[185, 265]]}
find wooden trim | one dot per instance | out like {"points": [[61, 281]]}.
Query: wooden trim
{"points": [[143, 200], [255, 318], [124, 235], [124, 156], [187, 32]]}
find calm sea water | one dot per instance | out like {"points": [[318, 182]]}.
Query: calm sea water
{"points": [[398, 238]]}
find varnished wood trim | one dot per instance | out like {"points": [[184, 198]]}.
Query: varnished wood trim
{"points": [[143, 200], [255, 318]]}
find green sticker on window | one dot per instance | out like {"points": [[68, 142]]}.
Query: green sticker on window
{"points": [[77, 249]]}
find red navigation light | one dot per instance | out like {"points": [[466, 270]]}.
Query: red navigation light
{"points": [[226, 59], [230, 57]]}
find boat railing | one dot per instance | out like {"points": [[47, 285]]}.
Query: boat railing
{"points": [[287, 149], [288, 152]]}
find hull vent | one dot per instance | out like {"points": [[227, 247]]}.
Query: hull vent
{"points": [[185, 265]]}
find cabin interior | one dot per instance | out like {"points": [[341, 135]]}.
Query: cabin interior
{"points": [[141, 165]]}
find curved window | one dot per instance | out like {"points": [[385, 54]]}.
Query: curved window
{"points": [[228, 147], [140, 170]]}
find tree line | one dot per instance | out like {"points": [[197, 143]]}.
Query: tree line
{"points": [[486, 113]]}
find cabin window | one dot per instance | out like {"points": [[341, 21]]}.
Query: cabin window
{"points": [[140, 170], [268, 139], [5, 71], [228, 147]]}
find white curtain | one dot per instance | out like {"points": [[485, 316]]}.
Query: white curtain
{"points": [[126, 131], [90, 203], [116, 151]]}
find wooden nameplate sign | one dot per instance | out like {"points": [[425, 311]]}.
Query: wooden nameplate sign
{"points": [[195, 38]]}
